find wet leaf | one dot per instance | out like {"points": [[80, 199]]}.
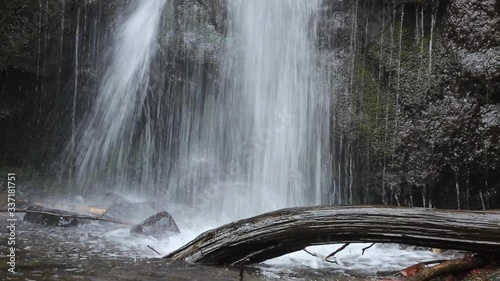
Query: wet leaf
{"points": [[412, 270]]}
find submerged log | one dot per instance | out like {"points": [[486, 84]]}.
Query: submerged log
{"points": [[55, 215], [50, 217], [273, 234], [450, 267]]}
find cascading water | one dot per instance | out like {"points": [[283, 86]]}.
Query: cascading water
{"points": [[105, 138], [257, 141], [261, 142]]}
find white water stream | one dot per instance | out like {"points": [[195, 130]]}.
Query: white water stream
{"points": [[104, 143], [261, 142]]}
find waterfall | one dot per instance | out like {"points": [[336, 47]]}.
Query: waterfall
{"points": [[260, 141], [254, 141], [105, 138]]}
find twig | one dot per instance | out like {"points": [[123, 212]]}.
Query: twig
{"points": [[242, 267], [75, 216], [154, 250], [432, 262], [318, 256], [338, 250], [312, 254], [334, 261], [366, 248]]}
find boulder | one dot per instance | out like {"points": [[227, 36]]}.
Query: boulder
{"points": [[159, 226]]}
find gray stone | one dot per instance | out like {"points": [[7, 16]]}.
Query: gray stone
{"points": [[159, 226]]}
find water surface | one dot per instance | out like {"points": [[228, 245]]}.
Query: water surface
{"points": [[104, 251]]}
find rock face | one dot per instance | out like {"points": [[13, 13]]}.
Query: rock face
{"points": [[159, 226], [52, 57], [417, 120], [415, 89], [49, 219], [41, 64]]}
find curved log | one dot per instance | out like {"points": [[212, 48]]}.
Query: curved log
{"points": [[274, 234]]}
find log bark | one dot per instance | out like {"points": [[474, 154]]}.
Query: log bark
{"points": [[273, 234], [69, 215], [450, 267]]}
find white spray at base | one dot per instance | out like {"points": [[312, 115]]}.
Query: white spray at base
{"points": [[261, 142]]}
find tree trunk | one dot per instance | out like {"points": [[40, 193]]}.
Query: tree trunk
{"points": [[273, 234]]}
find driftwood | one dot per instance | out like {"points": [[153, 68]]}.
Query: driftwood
{"points": [[84, 209], [449, 267], [68, 215], [414, 269], [277, 233]]}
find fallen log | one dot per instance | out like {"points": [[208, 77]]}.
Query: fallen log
{"points": [[414, 269], [68, 215], [274, 234], [77, 208], [449, 267]]}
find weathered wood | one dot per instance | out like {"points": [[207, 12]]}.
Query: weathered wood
{"points": [[64, 214], [449, 267], [277, 233]]}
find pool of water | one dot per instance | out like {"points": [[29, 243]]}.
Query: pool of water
{"points": [[104, 251]]}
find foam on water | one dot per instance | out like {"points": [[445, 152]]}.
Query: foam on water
{"points": [[377, 259]]}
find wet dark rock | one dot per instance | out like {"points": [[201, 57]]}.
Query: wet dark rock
{"points": [[30, 33], [51, 219], [37, 67], [38, 44], [216, 13], [161, 225], [418, 128], [472, 30]]}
